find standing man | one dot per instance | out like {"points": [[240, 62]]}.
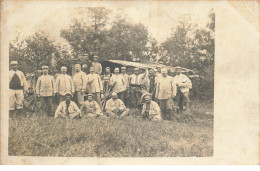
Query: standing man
{"points": [[152, 82], [135, 87], [64, 84], [85, 68], [118, 84], [165, 91], [105, 80], [97, 66], [17, 89], [45, 90], [126, 76], [95, 85], [80, 83], [159, 73], [116, 107], [183, 84]]}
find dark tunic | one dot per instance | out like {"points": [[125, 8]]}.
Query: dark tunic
{"points": [[15, 83]]}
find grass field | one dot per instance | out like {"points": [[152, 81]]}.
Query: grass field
{"points": [[107, 137]]}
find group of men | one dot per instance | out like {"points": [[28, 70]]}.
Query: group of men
{"points": [[154, 92]]}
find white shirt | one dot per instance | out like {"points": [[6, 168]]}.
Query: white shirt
{"points": [[80, 81], [182, 82], [64, 84], [118, 82]]}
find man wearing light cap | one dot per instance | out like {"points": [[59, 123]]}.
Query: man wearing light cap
{"points": [[64, 84], [151, 110], [17, 89], [135, 86], [80, 83], [90, 108], [67, 109], [116, 107], [118, 84], [95, 85], [183, 84], [97, 66], [45, 90], [165, 92]]}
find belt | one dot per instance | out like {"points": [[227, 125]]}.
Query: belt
{"points": [[135, 85]]}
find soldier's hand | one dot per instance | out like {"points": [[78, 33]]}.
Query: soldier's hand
{"points": [[38, 95], [53, 95]]}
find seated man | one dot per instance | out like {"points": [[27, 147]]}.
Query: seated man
{"points": [[90, 108], [151, 109], [67, 108], [116, 107]]}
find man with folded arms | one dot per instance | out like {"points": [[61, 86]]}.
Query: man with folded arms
{"points": [[183, 84]]}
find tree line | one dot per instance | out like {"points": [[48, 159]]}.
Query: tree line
{"points": [[95, 34]]}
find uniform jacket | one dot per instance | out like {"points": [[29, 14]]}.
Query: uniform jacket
{"points": [[126, 76], [112, 105], [118, 82], [61, 110], [94, 83], [166, 88], [90, 107], [45, 85], [80, 81], [64, 84], [21, 77], [97, 67], [183, 81], [154, 110]]}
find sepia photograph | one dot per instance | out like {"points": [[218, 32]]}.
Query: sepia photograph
{"points": [[100, 82], [111, 79]]}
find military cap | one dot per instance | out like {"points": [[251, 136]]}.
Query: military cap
{"points": [[90, 95], [84, 66], [14, 63], [63, 67], [45, 67], [123, 67], [68, 93], [95, 56], [136, 69]]}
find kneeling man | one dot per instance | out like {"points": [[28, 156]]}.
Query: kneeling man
{"points": [[90, 108], [67, 108], [116, 107], [151, 109]]}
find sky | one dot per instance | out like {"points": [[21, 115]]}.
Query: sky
{"points": [[160, 18]]}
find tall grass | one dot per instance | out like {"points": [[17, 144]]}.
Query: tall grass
{"points": [[108, 137]]}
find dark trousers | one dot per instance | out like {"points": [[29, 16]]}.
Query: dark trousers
{"points": [[121, 95], [163, 106], [135, 96], [46, 104]]}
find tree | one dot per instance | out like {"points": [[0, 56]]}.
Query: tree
{"points": [[33, 52], [88, 37]]}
